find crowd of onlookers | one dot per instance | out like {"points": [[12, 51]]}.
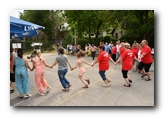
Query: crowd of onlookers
{"points": [[114, 49], [73, 49]]}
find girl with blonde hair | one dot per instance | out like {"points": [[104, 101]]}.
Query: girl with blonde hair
{"points": [[80, 63]]}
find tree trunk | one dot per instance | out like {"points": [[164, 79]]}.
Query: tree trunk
{"points": [[97, 32], [53, 26], [75, 34], [150, 35], [89, 32]]}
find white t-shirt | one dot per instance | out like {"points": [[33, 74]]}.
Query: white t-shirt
{"points": [[139, 53]]}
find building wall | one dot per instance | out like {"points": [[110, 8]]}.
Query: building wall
{"points": [[117, 33]]}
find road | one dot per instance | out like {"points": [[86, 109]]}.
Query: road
{"points": [[141, 92]]}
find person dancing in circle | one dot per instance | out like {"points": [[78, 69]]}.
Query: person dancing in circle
{"points": [[146, 60], [38, 64], [21, 74], [62, 61], [127, 57], [80, 63], [103, 60]]}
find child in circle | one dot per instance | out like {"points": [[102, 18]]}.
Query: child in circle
{"points": [[80, 63]]}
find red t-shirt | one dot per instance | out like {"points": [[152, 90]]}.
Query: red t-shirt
{"points": [[103, 59], [135, 51], [127, 57], [114, 50], [121, 50], [148, 57], [10, 63]]}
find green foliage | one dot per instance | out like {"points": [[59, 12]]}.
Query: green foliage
{"points": [[108, 39], [136, 24], [82, 43], [69, 39], [87, 21]]}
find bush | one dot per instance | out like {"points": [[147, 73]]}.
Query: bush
{"points": [[82, 43], [108, 39]]}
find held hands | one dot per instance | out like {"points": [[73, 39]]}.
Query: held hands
{"points": [[139, 60], [115, 63], [71, 69], [31, 69], [50, 66], [92, 64]]}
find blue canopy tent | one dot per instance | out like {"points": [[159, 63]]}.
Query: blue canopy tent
{"points": [[21, 28]]}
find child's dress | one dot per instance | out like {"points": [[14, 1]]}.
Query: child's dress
{"points": [[39, 75]]}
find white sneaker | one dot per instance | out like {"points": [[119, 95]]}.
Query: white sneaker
{"points": [[41, 93], [27, 96]]}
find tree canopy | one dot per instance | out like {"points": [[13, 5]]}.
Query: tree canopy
{"points": [[136, 24]]}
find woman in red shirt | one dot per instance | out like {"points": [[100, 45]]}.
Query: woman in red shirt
{"points": [[135, 51], [127, 58], [103, 60], [121, 50], [146, 59]]}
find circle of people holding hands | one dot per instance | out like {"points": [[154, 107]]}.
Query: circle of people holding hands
{"points": [[121, 52]]}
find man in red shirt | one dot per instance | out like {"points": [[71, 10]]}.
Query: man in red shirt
{"points": [[146, 59], [103, 60], [127, 57]]}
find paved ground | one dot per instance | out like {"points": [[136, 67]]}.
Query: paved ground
{"points": [[141, 92]]}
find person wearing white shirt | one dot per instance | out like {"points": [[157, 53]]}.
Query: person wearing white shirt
{"points": [[118, 45]]}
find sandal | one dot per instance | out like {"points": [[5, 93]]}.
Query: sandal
{"points": [[108, 81], [106, 85], [11, 91], [69, 85], [143, 75], [21, 96], [148, 79], [86, 86], [66, 89], [130, 81], [88, 81], [126, 85], [48, 89]]}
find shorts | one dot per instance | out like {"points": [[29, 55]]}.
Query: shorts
{"points": [[81, 71], [146, 66], [125, 72], [12, 77]]}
